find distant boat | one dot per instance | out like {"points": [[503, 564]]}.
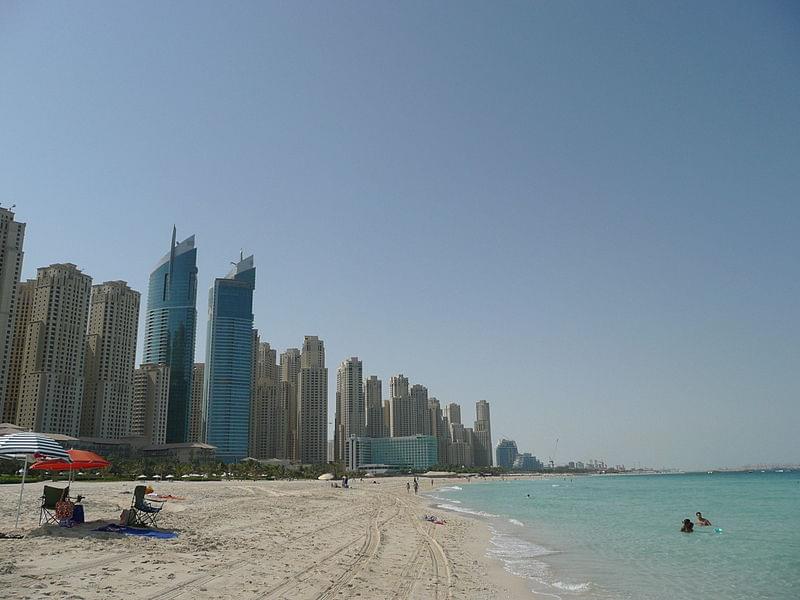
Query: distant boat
{"points": [[710, 472], [778, 471]]}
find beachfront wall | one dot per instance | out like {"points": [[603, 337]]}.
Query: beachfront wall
{"points": [[415, 452]]}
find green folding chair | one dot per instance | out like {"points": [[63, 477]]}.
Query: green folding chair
{"points": [[50, 497]]}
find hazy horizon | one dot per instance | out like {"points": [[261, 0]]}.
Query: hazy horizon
{"points": [[585, 214]]}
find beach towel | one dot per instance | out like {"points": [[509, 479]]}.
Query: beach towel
{"points": [[153, 533]]}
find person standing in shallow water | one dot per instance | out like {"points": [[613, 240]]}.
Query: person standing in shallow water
{"points": [[688, 526]]}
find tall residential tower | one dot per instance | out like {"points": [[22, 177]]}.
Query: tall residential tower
{"points": [[12, 234], [351, 415], [110, 360], [312, 403], [51, 383]]}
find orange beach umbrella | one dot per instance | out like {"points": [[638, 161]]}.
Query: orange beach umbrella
{"points": [[81, 459]]}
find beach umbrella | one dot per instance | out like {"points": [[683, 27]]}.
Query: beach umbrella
{"points": [[325, 477], [170, 477], [80, 460], [156, 476], [29, 445], [142, 477]]}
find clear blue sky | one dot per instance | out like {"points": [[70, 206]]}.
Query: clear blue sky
{"points": [[585, 213]]}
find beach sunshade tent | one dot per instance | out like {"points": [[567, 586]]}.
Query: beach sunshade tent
{"points": [[325, 477], [28, 445]]}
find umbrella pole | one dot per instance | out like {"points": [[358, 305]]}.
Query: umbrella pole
{"points": [[22, 487]]}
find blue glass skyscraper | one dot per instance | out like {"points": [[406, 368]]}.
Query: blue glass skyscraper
{"points": [[170, 329], [229, 361]]}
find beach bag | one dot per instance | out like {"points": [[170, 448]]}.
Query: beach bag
{"points": [[64, 509]]}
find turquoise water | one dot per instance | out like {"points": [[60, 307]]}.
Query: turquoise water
{"points": [[617, 537]]}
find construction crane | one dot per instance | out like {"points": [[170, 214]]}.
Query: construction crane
{"points": [[553, 456]]}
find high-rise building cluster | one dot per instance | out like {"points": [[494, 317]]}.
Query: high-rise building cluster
{"points": [[68, 366]]}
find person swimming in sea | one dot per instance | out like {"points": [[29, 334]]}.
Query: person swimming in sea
{"points": [[701, 520], [688, 526]]}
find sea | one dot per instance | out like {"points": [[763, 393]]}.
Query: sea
{"points": [[609, 537]]}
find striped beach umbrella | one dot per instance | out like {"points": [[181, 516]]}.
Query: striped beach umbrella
{"points": [[28, 445]]}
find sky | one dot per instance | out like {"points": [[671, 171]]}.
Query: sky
{"points": [[585, 213]]}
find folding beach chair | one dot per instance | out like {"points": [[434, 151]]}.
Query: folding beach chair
{"points": [[142, 512], [50, 497]]}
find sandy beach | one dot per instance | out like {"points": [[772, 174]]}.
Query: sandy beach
{"points": [[253, 540]]}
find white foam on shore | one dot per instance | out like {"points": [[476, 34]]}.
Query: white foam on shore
{"points": [[451, 488], [517, 523], [445, 499], [467, 511], [523, 559]]}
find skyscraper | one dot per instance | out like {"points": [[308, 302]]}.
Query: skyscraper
{"points": [[452, 413], [170, 329], [12, 234], [506, 453], [110, 360], [196, 432], [402, 413], [373, 398], [150, 399], [23, 305], [51, 385], [290, 369], [419, 407], [351, 414], [312, 403], [229, 362], [482, 453], [270, 416]]}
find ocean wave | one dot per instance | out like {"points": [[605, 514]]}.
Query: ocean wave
{"points": [[515, 522], [570, 587], [468, 511], [445, 499], [451, 488], [523, 559]]}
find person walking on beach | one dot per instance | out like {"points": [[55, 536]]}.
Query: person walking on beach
{"points": [[688, 526], [408, 487], [701, 520], [416, 486]]}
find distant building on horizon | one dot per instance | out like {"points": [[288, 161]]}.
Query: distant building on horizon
{"points": [[170, 328], [151, 390], [312, 403], [527, 462], [401, 415], [269, 412], [482, 452], [12, 235], [229, 362], [110, 360], [506, 453], [415, 452], [52, 374], [196, 432], [351, 415], [419, 408], [289, 371], [373, 395]]}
